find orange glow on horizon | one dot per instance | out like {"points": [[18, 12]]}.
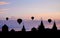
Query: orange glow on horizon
{"points": [[45, 16]]}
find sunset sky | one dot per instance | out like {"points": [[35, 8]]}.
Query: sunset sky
{"points": [[27, 8]]}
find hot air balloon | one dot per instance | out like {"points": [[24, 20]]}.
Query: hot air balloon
{"points": [[19, 21], [32, 18], [7, 18], [49, 20]]}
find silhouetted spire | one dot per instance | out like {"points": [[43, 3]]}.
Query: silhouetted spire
{"points": [[33, 29], [5, 28], [54, 26], [23, 29], [41, 26]]}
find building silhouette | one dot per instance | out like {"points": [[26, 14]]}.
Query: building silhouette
{"points": [[41, 27], [54, 28], [4, 28], [23, 29]]}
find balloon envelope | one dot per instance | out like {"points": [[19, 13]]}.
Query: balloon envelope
{"points": [[19, 21], [7, 18], [32, 18], [49, 20]]}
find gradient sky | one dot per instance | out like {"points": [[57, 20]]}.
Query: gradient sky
{"points": [[27, 8]]}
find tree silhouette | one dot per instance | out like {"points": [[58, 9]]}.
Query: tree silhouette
{"points": [[34, 29], [19, 21], [12, 30], [5, 28]]}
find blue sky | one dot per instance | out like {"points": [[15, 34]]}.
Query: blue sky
{"points": [[28, 8]]}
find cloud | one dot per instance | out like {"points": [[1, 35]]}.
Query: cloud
{"points": [[2, 12], [3, 9], [3, 3]]}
